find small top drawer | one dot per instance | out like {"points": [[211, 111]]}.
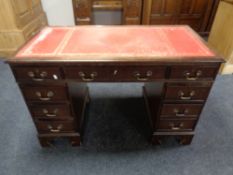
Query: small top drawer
{"points": [[89, 73], [193, 73], [37, 73]]}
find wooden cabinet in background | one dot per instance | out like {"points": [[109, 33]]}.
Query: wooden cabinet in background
{"points": [[19, 21], [196, 13]]}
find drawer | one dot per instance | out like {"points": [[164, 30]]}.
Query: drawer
{"points": [[176, 125], [184, 93], [193, 73], [111, 73], [45, 94], [54, 112], [89, 73], [55, 126], [140, 73], [37, 73], [180, 110]]}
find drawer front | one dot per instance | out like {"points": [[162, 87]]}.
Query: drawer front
{"points": [[55, 127], [181, 110], [45, 94], [193, 73], [51, 111], [140, 73], [89, 73], [111, 73], [184, 93], [37, 73], [176, 125]]}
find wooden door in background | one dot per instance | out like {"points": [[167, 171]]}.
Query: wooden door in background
{"points": [[195, 13], [161, 11], [132, 10]]}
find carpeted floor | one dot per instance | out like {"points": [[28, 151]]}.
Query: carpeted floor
{"points": [[115, 136]]}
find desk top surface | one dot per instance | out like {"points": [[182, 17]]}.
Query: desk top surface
{"points": [[114, 43]]}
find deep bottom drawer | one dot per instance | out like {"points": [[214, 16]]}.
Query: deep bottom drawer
{"points": [[55, 127], [176, 125]]}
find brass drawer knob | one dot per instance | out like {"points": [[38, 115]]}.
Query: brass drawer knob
{"points": [[188, 76], [180, 114], [49, 94], [176, 127], [141, 78], [57, 129], [47, 114], [183, 97], [89, 78]]}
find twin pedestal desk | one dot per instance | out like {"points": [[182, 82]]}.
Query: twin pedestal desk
{"points": [[176, 66]]}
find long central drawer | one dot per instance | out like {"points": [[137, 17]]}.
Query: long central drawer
{"points": [[112, 73]]}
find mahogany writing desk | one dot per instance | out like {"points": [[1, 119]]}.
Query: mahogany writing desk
{"points": [[177, 67]]}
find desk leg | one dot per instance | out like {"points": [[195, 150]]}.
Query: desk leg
{"points": [[182, 138], [48, 140]]}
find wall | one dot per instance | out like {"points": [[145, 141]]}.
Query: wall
{"points": [[59, 12]]}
